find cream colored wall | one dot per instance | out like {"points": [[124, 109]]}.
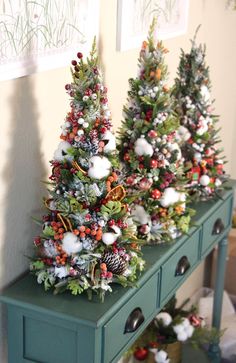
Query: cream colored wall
{"points": [[32, 109]]}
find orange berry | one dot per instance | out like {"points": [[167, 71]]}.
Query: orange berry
{"points": [[75, 129], [63, 137], [76, 232], [55, 228], [82, 228], [158, 73], [63, 262], [61, 235], [59, 248], [61, 230], [88, 230], [82, 234], [98, 237], [93, 232], [115, 176], [152, 74], [133, 245], [103, 267], [71, 135], [56, 236], [110, 179]]}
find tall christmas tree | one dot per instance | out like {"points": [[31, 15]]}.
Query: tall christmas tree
{"points": [[198, 134], [152, 158], [88, 240]]}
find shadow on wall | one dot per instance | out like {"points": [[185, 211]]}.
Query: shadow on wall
{"points": [[22, 175]]}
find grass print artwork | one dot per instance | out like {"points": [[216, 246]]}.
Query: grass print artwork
{"points": [[30, 29]]}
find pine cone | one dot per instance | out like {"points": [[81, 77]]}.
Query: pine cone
{"points": [[115, 263]]}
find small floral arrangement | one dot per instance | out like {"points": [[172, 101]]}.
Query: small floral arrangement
{"points": [[88, 240], [172, 326]]}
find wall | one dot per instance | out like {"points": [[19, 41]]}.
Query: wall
{"points": [[33, 108]]}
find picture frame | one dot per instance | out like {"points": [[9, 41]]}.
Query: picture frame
{"points": [[135, 16], [44, 34]]}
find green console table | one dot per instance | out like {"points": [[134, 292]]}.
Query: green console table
{"points": [[43, 328]]}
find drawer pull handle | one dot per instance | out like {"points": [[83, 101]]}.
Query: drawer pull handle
{"points": [[182, 266], [218, 226], [135, 319]]}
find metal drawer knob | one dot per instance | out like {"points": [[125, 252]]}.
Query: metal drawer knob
{"points": [[135, 319], [182, 266], [218, 226]]}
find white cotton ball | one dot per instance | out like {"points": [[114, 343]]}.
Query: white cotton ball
{"points": [[111, 141], [165, 318], [109, 238], [161, 357], [218, 182], [169, 197], [71, 244], [179, 328], [185, 323], [202, 128], [140, 216], [61, 272], [198, 157], [182, 336], [61, 152], [183, 133], [204, 180], [175, 147], [99, 167], [204, 91], [142, 147], [81, 121], [182, 197], [117, 230], [189, 331]]}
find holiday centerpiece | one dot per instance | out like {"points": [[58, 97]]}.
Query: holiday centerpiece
{"points": [[148, 148], [88, 240], [162, 340], [198, 134]]}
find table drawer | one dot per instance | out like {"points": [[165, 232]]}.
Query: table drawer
{"points": [[135, 312], [215, 226], [179, 265]]}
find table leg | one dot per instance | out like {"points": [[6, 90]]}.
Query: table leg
{"points": [[214, 349]]}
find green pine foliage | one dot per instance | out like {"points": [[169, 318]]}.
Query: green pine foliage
{"points": [[87, 209], [198, 133], [148, 148]]}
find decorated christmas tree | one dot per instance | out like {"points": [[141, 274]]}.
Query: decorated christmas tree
{"points": [[198, 134], [88, 240], [148, 148]]}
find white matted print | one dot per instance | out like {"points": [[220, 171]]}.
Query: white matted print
{"points": [[39, 35], [135, 17]]}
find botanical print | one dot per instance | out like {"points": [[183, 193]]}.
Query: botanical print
{"points": [[34, 28], [135, 16], [166, 12]]}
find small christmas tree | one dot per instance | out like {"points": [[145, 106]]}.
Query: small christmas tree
{"points": [[198, 134], [88, 240], [150, 153]]}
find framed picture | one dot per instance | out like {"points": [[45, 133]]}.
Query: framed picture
{"points": [[39, 35], [135, 17]]}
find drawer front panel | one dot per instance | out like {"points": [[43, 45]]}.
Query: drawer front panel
{"points": [[48, 342], [142, 304], [216, 225], [179, 265]]}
